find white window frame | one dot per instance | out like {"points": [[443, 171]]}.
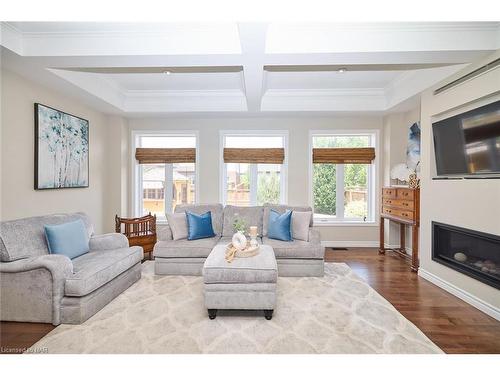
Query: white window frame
{"points": [[136, 186], [372, 180], [253, 167]]}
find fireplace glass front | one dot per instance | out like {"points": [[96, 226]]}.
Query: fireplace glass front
{"points": [[473, 253]]}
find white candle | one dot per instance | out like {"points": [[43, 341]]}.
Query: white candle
{"points": [[253, 231]]}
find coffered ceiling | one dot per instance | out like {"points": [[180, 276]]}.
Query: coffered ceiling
{"points": [[246, 68]]}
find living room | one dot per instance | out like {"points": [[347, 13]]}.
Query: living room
{"points": [[271, 187]]}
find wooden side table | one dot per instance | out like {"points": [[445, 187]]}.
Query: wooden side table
{"points": [[402, 205], [140, 231]]}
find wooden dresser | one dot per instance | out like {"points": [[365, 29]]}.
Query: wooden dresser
{"points": [[402, 205]]}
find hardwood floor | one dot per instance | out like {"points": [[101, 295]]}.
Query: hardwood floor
{"points": [[453, 325]]}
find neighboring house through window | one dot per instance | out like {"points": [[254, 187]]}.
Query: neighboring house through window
{"points": [[160, 186]]}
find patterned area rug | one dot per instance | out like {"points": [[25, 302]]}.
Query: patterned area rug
{"points": [[339, 313]]}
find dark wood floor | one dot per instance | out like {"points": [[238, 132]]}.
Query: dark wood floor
{"points": [[453, 325]]}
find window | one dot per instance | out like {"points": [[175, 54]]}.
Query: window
{"points": [[343, 192], [163, 185], [250, 183]]}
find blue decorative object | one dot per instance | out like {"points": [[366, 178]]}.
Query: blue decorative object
{"points": [[199, 226], [279, 225], [70, 239], [413, 148]]}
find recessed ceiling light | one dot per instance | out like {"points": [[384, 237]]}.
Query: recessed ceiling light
{"points": [[342, 70], [167, 72]]}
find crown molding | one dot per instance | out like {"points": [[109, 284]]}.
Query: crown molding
{"points": [[183, 93], [354, 92]]}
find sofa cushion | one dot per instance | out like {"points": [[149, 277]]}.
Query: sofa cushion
{"points": [[251, 215], [300, 225], [25, 238], [295, 249], [96, 268], [199, 226], [68, 239], [185, 248], [215, 210], [281, 208], [280, 226], [178, 225], [261, 268]]}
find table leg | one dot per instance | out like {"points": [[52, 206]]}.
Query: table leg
{"points": [[402, 237], [414, 250], [381, 249]]}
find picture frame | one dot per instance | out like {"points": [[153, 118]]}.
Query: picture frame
{"points": [[61, 149]]}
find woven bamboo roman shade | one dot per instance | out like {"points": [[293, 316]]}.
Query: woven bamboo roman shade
{"points": [[361, 155], [165, 155], [254, 155]]}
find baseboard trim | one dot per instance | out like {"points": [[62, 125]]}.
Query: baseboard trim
{"points": [[349, 244], [478, 303]]}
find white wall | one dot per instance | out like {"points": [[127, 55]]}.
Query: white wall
{"points": [[396, 128], [18, 197], [473, 204], [298, 165]]}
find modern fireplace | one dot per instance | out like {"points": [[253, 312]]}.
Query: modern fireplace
{"points": [[473, 253]]}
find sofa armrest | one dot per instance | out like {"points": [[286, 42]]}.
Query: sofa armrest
{"points": [[164, 233], [314, 236], [60, 268], [108, 241]]}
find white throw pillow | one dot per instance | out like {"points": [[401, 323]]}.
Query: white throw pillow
{"points": [[178, 225], [300, 225]]}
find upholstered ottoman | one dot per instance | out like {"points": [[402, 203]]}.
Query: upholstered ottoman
{"points": [[243, 284]]}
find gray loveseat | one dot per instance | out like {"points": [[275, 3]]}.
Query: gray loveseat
{"points": [[40, 287], [184, 257]]}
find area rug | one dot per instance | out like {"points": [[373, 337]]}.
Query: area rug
{"points": [[338, 313]]}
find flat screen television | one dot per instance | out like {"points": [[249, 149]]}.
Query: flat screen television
{"points": [[468, 144]]}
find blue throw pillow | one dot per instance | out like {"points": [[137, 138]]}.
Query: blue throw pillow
{"points": [[199, 226], [279, 227], [68, 239]]}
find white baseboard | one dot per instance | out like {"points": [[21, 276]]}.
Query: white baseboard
{"points": [[349, 243], [478, 303]]}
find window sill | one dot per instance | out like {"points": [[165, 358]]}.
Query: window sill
{"points": [[346, 224]]}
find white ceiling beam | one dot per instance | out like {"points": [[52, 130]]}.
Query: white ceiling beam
{"points": [[253, 45]]}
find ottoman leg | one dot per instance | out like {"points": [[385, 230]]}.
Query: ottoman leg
{"points": [[212, 313], [268, 314]]}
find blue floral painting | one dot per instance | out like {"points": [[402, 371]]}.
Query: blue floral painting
{"points": [[413, 148], [61, 149]]}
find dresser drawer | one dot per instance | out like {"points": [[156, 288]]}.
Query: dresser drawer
{"points": [[398, 203], [389, 193], [407, 194], [406, 215]]}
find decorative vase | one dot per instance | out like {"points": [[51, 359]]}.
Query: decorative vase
{"points": [[413, 181], [239, 241], [253, 237]]}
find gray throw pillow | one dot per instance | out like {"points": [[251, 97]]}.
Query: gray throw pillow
{"points": [[300, 225], [178, 225]]}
